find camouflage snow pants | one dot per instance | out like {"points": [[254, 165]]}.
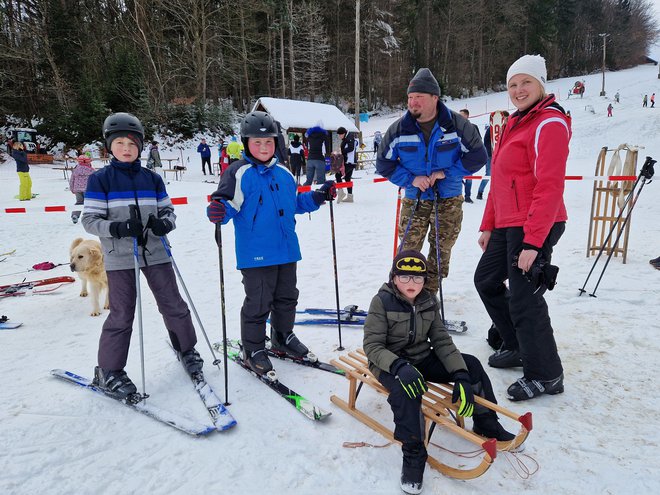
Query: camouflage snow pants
{"points": [[450, 216]]}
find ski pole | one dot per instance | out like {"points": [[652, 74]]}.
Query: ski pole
{"points": [[218, 241], [334, 263], [405, 233], [645, 170], [436, 199], [647, 173], [396, 222], [134, 213], [168, 250]]}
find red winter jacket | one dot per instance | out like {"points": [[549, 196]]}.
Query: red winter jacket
{"points": [[528, 169]]}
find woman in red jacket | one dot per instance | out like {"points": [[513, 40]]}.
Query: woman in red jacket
{"points": [[524, 218]]}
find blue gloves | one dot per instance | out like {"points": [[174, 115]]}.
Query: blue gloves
{"points": [[128, 228], [463, 392], [327, 192], [409, 377], [159, 226], [216, 211]]}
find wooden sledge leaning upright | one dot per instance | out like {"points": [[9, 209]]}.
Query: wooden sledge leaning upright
{"points": [[437, 410]]}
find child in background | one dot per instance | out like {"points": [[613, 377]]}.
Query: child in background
{"points": [[260, 195], [407, 344], [78, 182], [23, 170], [111, 193]]}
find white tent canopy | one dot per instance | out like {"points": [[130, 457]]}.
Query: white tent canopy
{"points": [[296, 114]]}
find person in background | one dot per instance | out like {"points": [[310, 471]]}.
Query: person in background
{"points": [[468, 182], [407, 345], [224, 157], [316, 137], [348, 145], [378, 137], [296, 157], [205, 153], [234, 149], [645, 101], [609, 110], [261, 197], [488, 144], [616, 97], [78, 182], [154, 162], [523, 220], [653, 100], [19, 154]]}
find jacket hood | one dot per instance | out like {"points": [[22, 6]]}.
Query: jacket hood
{"points": [[316, 129]]}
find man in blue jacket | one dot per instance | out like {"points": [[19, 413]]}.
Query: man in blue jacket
{"points": [[428, 151], [205, 152]]}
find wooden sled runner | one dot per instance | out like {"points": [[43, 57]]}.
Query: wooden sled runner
{"points": [[437, 410]]}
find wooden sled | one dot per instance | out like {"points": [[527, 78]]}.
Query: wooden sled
{"points": [[437, 410]]}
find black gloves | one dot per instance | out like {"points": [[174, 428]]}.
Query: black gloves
{"points": [[128, 228], [409, 377], [216, 211], [463, 392], [159, 226], [327, 192]]}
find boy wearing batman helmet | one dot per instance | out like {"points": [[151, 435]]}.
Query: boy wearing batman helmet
{"points": [[407, 344]]}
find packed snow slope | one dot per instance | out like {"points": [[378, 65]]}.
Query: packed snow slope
{"points": [[600, 436]]}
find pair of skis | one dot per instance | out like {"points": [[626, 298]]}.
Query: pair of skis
{"points": [[302, 405], [351, 315], [220, 416], [43, 286]]}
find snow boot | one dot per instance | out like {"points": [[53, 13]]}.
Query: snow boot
{"points": [[288, 344], [480, 195], [258, 361], [191, 360], [75, 216], [525, 389], [341, 194], [468, 199], [505, 358], [349, 198], [115, 383], [488, 426], [655, 262], [412, 470]]}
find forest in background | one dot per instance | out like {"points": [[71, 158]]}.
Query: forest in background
{"points": [[187, 65]]}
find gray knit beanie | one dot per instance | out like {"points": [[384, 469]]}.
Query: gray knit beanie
{"points": [[424, 82]]}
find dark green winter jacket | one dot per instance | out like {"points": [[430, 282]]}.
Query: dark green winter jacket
{"points": [[394, 329]]}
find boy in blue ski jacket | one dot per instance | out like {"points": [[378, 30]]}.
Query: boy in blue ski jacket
{"points": [[111, 194], [260, 195]]}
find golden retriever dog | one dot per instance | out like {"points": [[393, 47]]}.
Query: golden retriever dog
{"points": [[87, 261]]}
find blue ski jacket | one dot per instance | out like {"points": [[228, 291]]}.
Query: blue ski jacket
{"points": [[262, 200], [454, 147]]}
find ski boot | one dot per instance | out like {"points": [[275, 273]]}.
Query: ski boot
{"points": [[116, 384], [505, 358], [289, 345], [191, 360], [258, 361], [524, 388]]}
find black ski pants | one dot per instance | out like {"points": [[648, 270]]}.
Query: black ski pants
{"points": [[408, 418], [269, 291], [206, 160], [118, 327], [520, 315]]}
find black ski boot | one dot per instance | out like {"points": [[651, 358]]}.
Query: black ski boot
{"points": [[505, 358], [191, 360], [288, 344], [525, 388], [114, 383], [258, 361], [488, 426], [412, 471]]}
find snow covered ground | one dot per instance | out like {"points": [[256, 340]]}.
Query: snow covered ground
{"points": [[600, 436]]}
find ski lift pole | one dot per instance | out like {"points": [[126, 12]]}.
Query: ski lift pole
{"points": [[334, 263], [646, 174], [614, 225]]}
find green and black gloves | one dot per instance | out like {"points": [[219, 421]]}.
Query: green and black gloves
{"points": [[409, 377], [463, 392]]}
